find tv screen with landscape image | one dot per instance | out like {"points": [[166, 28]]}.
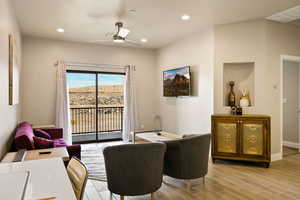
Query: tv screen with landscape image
{"points": [[177, 82]]}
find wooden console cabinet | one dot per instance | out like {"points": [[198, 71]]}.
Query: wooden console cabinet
{"points": [[241, 137]]}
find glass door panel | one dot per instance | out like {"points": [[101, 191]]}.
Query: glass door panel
{"points": [[110, 105], [82, 97]]}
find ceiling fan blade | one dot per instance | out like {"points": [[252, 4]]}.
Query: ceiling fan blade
{"points": [[103, 41], [109, 34], [133, 42]]}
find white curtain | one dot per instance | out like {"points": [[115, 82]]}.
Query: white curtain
{"points": [[62, 102], [130, 122]]}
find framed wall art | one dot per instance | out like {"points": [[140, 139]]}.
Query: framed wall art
{"points": [[13, 73]]}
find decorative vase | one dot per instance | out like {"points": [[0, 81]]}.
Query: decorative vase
{"points": [[244, 100], [231, 95]]}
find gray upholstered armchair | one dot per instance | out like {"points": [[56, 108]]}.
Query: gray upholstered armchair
{"points": [[134, 169], [187, 158]]}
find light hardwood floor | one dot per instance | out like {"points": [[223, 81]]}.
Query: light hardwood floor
{"points": [[226, 181], [287, 151]]}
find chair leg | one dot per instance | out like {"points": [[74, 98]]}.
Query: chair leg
{"points": [[203, 180], [152, 196], [121, 197], [188, 185]]}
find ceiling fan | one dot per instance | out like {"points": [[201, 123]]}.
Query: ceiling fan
{"points": [[120, 36]]}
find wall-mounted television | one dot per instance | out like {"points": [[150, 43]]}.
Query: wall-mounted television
{"points": [[177, 82]]}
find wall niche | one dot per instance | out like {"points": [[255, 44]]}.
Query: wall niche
{"points": [[242, 74]]}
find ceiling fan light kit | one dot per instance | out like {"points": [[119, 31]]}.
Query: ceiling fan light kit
{"points": [[118, 39], [120, 36], [123, 32]]}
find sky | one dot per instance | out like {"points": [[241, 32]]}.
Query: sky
{"points": [[76, 80], [182, 71]]}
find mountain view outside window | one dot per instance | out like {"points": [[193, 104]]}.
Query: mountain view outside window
{"points": [[83, 102]]}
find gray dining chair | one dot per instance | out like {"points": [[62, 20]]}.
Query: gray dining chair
{"points": [[134, 169], [187, 158]]}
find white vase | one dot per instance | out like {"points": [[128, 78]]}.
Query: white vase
{"points": [[244, 102]]}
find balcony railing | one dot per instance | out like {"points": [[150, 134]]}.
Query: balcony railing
{"points": [[84, 119]]}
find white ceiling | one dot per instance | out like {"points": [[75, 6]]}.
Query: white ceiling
{"points": [[157, 20]]}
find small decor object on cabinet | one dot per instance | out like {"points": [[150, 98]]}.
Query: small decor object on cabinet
{"points": [[233, 110], [244, 100], [241, 137], [231, 95], [239, 110]]}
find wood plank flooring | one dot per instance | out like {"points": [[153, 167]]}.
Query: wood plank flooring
{"points": [[92, 157], [225, 181], [287, 151]]}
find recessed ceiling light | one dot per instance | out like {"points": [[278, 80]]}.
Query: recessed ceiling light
{"points": [[144, 40], [185, 17], [132, 10], [60, 30]]}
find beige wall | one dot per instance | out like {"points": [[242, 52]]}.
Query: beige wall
{"points": [[187, 115], [291, 104], [261, 42], [39, 75], [282, 40], [9, 115], [240, 43]]}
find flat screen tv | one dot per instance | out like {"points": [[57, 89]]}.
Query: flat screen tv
{"points": [[177, 82]]}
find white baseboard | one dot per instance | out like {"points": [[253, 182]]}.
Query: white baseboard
{"points": [[291, 144], [276, 156]]}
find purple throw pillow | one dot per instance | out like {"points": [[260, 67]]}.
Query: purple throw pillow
{"points": [[22, 124], [42, 143], [41, 133]]}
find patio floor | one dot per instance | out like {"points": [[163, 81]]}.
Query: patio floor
{"points": [[91, 137]]}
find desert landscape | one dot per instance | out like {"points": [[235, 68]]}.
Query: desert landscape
{"points": [[83, 108], [109, 95]]}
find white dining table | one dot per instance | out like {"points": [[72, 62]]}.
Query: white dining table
{"points": [[48, 178]]}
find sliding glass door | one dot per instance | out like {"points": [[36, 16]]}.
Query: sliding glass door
{"points": [[96, 105]]}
